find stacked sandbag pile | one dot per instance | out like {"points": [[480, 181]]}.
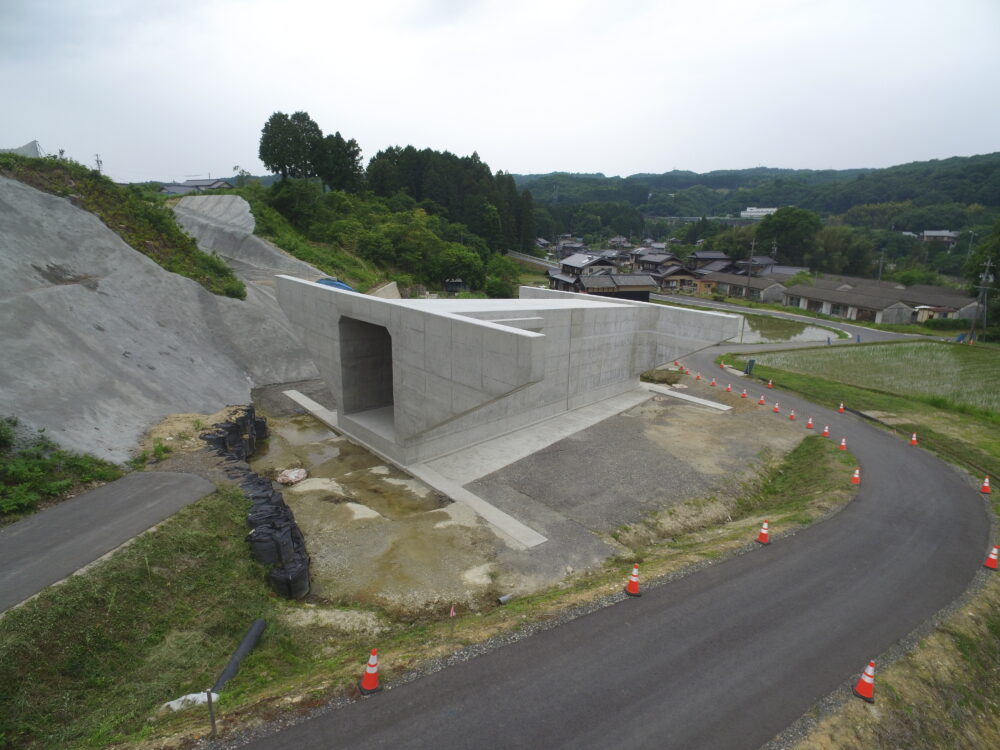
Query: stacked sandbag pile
{"points": [[274, 538]]}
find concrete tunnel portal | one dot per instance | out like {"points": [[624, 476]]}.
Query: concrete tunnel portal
{"points": [[366, 374]]}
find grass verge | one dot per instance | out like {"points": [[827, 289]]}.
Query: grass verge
{"points": [[959, 433], [943, 694], [86, 663]]}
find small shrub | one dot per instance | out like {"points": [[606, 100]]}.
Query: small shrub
{"points": [[160, 450]]}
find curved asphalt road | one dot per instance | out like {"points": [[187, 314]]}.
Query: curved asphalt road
{"points": [[727, 657], [56, 542]]}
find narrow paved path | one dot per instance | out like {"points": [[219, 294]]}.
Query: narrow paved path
{"points": [[725, 658], [56, 542]]}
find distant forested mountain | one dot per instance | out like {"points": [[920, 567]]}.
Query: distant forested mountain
{"points": [[959, 180]]}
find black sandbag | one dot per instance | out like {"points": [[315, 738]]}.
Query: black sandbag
{"points": [[269, 515], [282, 535], [300, 542], [215, 440], [290, 581], [260, 428], [262, 545]]}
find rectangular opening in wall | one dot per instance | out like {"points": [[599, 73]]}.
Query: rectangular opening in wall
{"points": [[366, 375]]}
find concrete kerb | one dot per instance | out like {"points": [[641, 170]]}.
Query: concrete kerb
{"points": [[686, 397]]}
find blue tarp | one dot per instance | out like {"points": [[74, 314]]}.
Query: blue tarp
{"points": [[336, 284]]}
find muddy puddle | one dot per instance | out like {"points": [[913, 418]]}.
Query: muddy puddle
{"points": [[765, 329], [376, 535]]}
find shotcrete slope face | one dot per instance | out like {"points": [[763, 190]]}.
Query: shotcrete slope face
{"points": [[224, 224], [99, 342]]}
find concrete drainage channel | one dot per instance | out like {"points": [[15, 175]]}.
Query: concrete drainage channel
{"points": [[274, 538]]}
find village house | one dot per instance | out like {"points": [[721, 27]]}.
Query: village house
{"points": [[760, 289], [703, 258], [950, 239], [879, 301], [194, 186], [678, 279]]}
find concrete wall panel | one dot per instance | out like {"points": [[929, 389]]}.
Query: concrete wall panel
{"points": [[462, 371]]}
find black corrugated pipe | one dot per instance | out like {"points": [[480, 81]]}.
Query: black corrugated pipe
{"points": [[245, 647]]}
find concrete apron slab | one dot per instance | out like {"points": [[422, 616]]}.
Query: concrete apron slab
{"points": [[513, 533], [448, 473]]}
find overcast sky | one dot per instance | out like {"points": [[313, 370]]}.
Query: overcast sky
{"points": [[167, 89]]}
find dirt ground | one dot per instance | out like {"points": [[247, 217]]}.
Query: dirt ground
{"points": [[380, 538], [375, 535]]}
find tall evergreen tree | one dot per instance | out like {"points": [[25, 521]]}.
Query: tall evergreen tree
{"points": [[338, 163], [289, 145]]}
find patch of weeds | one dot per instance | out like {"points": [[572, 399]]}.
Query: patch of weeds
{"points": [[662, 377], [160, 450], [38, 470], [139, 460]]}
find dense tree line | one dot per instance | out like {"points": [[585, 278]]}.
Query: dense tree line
{"points": [[462, 189], [424, 215]]}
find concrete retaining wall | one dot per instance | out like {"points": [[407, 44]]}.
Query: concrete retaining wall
{"points": [[463, 371]]}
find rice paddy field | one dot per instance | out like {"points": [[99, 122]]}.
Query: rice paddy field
{"points": [[957, 374]]}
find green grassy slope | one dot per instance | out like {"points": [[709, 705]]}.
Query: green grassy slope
{"points": [[138, 218]]}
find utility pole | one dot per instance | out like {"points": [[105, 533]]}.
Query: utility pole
{"points": [[968, 252], [881, 262], [985, 283], [746, 291], [774, 249]]}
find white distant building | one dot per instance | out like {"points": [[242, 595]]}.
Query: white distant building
{"points": [[752, 212], [950, 239]]}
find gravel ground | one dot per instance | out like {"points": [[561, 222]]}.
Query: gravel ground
{"points": [[657, 454]]}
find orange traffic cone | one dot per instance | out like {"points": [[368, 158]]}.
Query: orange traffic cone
{"points": [[712, 383], [698, 376], [991, 559], [770, 384], [841, 409], [632, 587], [913, 439], [809, 424], [369, 683], [985, 489], [722, 365], [826, 430], [843, 444], [761, 402], [791, 417], [764, 537], [865, 689], [856, 479], [729, 388], [744, 394], [776, 409]]}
